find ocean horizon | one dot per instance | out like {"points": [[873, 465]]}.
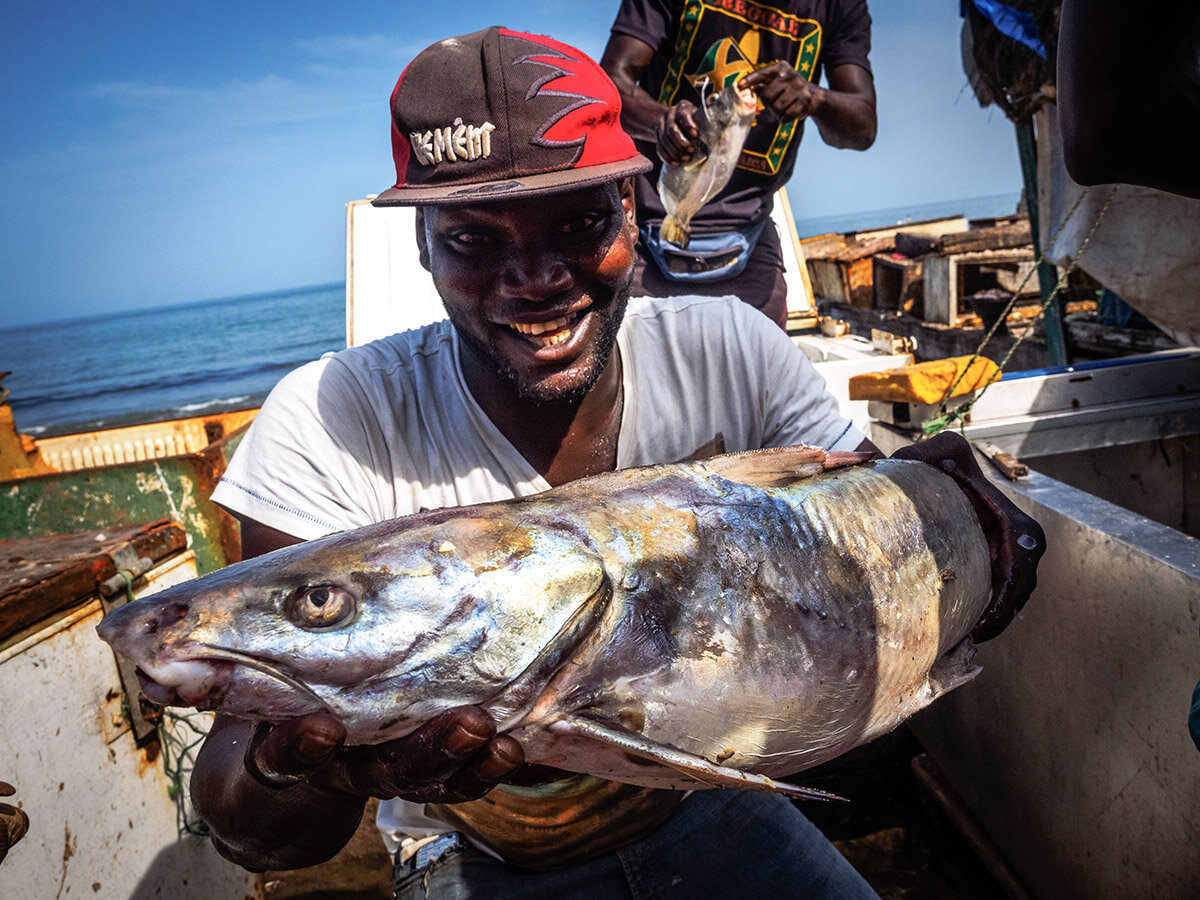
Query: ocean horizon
{"points": [[142, 365]]}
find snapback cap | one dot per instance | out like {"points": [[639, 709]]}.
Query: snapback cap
{"points": [[499, 113]]}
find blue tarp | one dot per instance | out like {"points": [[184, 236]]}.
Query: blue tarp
{"points": [[1012, 22]]}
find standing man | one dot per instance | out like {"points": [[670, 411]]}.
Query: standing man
{"points": [[511, 148], [662, 53]]}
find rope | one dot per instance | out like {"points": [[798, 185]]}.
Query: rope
{"points": [[128, 578], [945, 417], [180, 736]]}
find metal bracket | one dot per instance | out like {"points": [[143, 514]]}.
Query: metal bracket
{"points": [[115, 592]]}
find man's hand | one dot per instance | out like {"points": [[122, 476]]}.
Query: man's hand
{"points": [[457, 756], [678, 133], [1015, 541], [785, 91], [290, 796]]}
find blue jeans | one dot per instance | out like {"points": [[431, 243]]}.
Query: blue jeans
{"points": [[721, 843]]}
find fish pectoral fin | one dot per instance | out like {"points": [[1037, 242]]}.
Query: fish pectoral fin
{"points": [[955, 668], [779, 467], [696, 768]]}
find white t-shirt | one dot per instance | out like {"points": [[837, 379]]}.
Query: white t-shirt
{"points": [[390, 428]]}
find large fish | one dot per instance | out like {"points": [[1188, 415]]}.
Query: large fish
{"points": [[726, 117], [710, 623]]}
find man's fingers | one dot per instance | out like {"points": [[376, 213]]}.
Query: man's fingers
{"points": [[457, 756], [280, 756], [418, 765], [677, 133], [500, 758]]}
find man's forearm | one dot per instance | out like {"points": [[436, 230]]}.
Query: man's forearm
{"points": [[640, 113], [625, 60], [845, 114]]}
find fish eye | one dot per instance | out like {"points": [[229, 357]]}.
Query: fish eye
{"points": [[322, 607]]}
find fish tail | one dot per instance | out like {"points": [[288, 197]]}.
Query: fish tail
{"points": [[675, 231]]}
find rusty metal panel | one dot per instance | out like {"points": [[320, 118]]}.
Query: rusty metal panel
{"points": [[43, 576], [102, 819], [136, 443], [177, 488]]}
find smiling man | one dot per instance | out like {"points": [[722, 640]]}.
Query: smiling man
{"points": [[510, 146]]}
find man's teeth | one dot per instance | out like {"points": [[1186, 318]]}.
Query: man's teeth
{"points": [[547, 333]]}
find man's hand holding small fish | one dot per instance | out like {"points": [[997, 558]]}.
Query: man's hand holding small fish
{"points": [[300, 769], [678, 133], [844, 112]]}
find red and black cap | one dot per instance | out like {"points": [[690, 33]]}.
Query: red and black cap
{"points": [[498, 113]]}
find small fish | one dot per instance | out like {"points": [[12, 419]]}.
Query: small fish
{"points": [[727, 117], [703, 624]]}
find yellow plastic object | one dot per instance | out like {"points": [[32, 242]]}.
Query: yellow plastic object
{"points": [[925, 382]]}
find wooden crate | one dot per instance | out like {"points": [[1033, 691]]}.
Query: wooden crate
{"points": [[945, 279], [897, 283]]}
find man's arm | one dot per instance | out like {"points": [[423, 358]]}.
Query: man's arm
{"points": [[844, 112], [291, 796], [626, 59]]}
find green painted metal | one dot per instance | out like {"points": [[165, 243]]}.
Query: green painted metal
{"points": [[1056, 343], [177, 487]]}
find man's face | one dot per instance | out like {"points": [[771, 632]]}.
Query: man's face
{"points": [[535, 287]]}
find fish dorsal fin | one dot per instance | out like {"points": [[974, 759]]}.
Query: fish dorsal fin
{"points": [[696, 768], [780, 465]]}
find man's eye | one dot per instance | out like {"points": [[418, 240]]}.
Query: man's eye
{"points": [[583, 224], [469, 238]]}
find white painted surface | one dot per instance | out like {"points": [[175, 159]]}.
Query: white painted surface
{"points": [[101, 823], [387, 289]]}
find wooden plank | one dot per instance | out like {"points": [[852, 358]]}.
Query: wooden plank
{"points": [[997, 238], [43, 576]]}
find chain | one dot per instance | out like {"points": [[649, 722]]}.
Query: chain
{"points": [[945, 416]]}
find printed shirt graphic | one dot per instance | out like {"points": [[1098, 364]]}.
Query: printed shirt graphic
{"points": [[712, 43]]}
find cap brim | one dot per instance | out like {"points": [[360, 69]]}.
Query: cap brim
{"points": [[526, 186]]}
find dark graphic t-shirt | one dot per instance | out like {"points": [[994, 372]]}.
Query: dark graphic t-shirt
{"points": [[712, 43]]}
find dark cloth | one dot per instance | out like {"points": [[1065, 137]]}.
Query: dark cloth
{"points": [[1194, 717], [725, 39], [721, 843], [760, 284]]}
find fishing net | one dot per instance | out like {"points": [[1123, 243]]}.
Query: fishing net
{"points": [[1005, 71]]}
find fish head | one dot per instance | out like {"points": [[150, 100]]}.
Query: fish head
{"points": [[729, 105], [385, 626]]}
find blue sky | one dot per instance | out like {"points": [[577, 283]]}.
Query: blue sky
{"points": [[167, 152]]}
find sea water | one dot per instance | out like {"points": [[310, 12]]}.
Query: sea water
{"points": [[174, 361], [169, 362]]}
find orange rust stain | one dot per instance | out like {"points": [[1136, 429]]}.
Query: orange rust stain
{"points": [[485, 543]]}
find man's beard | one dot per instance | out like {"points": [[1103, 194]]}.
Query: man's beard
{"points": [[544, 397]]}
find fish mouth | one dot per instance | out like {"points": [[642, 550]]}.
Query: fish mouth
{"points": [[204, 676]]}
